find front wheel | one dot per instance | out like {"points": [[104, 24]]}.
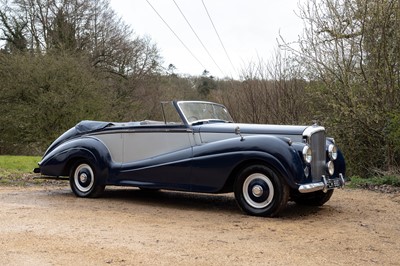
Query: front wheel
{"points": [[259, 191], [84, 182]]}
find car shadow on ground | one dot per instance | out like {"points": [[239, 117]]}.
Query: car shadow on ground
{"points": [[175, 199], [219, 203]]}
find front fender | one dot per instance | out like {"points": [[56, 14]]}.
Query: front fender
{"points": [[59, 161], [214, 163]]}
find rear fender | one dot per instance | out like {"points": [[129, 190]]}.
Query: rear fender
{"points": [[60, 160]]}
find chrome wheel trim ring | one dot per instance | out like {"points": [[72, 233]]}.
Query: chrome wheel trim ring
{"points": [[259, 180], [82, 174]]}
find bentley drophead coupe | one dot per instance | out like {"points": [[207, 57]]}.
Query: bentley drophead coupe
{"points": [[197, 147]]}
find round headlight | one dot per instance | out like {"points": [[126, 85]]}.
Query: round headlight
{"points": [[332, 152], [307, 154], [330, 167]]}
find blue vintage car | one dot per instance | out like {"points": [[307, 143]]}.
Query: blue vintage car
{"points": [[199, 148]]}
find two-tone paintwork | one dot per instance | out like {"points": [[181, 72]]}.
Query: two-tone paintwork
{"points": [[201, 158], [200, 149]]}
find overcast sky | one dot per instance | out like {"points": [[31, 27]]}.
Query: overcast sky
{"points": [[248, 30]]}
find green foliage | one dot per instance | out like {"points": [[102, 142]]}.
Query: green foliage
{"points": [[42, 96], [62, 34], [392, 180], [393, 131], [206, 84]]}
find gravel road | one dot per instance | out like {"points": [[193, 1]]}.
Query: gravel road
{"points": [[48, 225]]}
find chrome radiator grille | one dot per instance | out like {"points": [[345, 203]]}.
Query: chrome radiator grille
{"points": [[317, 143]]}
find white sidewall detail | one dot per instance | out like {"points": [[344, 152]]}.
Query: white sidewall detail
{"points": [[78, 169], [247, 197]]}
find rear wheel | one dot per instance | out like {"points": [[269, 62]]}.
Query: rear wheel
{"points": [[259, 191], [83, 180]]}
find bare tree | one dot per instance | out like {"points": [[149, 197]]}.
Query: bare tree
{"points": [[272, 92], [12, 30], [350, 53], [88, 26]]}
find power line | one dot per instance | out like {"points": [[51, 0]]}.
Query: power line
{"points": [[175, 34], [198, 38], [215, 29]]}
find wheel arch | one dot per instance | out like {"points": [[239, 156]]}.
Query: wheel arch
{"points": [[75, 159], [229, 184], [95, 159], [273, 152]]}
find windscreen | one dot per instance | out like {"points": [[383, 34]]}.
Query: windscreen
{"points": [[203, 111]]}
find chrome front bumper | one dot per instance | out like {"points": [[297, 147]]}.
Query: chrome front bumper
{"points": [[324, 185]]}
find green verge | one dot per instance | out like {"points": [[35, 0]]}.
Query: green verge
{"points": [[391, 180], [18, 170]]}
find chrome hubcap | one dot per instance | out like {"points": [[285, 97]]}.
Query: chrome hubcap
{"points": [[257, 191], [83, 177]]}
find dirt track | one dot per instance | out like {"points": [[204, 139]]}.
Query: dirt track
{"points": [[50, 226]]}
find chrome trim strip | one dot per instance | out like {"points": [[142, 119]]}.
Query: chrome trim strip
{"points": [[141, 130]]}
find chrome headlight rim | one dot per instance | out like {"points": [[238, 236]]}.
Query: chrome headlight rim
{"points": [[332, 152], [330, 167], [307, 154]]}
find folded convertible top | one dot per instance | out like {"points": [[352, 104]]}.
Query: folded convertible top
{"points": [[89, 125]]}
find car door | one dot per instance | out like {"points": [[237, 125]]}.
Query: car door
{"points": [[157, 156]]}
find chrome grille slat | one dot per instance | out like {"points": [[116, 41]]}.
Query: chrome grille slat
{"points": [[317, 143]]}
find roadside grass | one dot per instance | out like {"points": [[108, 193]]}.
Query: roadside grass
{"points": [[18, 170], [383, 183], [391, 180]]}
